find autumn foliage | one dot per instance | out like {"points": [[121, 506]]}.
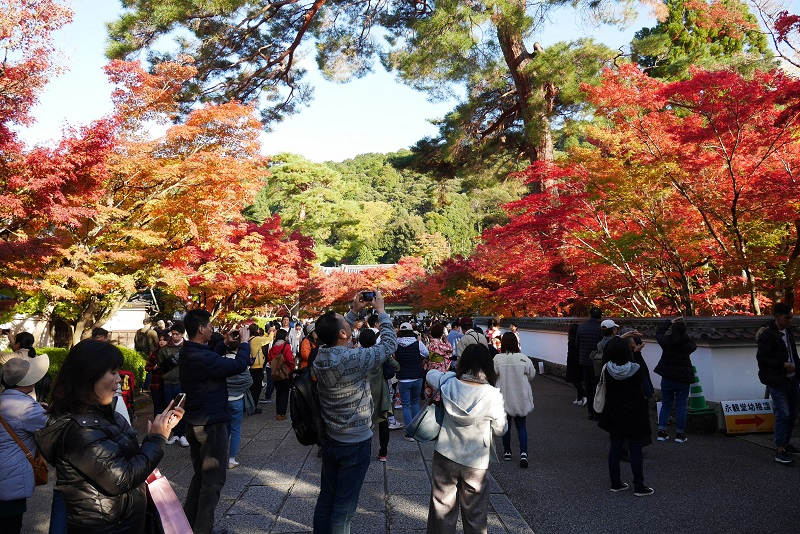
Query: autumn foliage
{"points": [[687, 203], [338, 288], [110, 210]]}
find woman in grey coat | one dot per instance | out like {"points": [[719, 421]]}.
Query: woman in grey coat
{"points": [[24, 416]]}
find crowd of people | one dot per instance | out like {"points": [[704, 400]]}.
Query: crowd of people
{"points": [[367, 366]]}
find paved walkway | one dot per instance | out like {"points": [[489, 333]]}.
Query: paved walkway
{"points": [[711, 484], [275, 487]]}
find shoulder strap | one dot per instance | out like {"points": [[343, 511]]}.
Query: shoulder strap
{"points": [[16, 438], [439, 389]]}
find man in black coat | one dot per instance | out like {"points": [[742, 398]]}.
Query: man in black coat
{"points": [[203, 374], [777, 363], [588, 337]]}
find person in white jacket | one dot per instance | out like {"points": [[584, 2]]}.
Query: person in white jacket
{"points": [[515, 372], [473, 413]]}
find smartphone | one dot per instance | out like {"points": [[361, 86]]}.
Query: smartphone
{"points": [[6, 331], [367, 296], [180, 399]]}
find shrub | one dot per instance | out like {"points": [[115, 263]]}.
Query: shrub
{"points": [[133, 361]]}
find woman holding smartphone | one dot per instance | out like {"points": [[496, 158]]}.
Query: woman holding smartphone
{"points": [[100, 465]]}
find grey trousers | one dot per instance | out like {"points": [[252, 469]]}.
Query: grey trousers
{"points": [[453, 484]]}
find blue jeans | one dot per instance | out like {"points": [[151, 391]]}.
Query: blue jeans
{"points": [[637, 461], [58, 513], [236, 410], [344, 466], [170, 392], [409, 396], [679, 392], [522, 432], [785, 402]]}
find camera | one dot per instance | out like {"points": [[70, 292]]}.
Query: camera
{"points": [[367, 296]]}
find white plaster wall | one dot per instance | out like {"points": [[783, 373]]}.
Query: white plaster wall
{"points": [[725, 372], [550, 346], [127, 319]]}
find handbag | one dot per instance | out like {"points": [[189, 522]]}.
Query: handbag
{"points": [[426, 425], [164, 511], [600, 392], [38, 463]]}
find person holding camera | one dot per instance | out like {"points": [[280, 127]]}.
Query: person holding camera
{"points": [[345, 400], [677, 375], [203, 374], [170, 376]]}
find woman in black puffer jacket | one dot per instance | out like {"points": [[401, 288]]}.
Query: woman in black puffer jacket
{"points": [[677, 375], [100, 466]]}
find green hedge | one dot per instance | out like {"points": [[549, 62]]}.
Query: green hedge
{"points": [[133, 361]]}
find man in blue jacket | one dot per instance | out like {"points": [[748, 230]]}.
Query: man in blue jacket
{"points": [[203, 374], [588, 336]]}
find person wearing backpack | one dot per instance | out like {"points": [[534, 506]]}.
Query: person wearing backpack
{"points": [[145, 341], [344, 394], [281, 362]]}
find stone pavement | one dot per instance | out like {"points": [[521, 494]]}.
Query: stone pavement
{"points": [[710, 484], [275, 487]]}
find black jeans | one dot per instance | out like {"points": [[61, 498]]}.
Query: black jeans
{"points": [[591, 384], [282, 388], [383, 437], [258, 379], [637, 461], [208, 446], [11, 524]]}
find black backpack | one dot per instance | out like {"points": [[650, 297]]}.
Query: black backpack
{"points": [[141, 343], [305, 410]]}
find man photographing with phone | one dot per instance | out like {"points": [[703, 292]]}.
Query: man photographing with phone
{"points": [[342, 375], [203, 374]]}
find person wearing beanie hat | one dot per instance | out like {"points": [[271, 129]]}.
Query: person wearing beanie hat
{"points": [[24, 416]]}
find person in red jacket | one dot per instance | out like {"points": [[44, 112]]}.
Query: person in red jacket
{"points": [[281, 372]]}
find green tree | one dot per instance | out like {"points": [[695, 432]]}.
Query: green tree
{"points": [[708, 35], [246, 50], [311, 198]]}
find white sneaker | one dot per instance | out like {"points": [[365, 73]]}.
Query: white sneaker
{"points": [[184, 442], [398, 406], [583, 402], [232, 463], [172, 440], [396, 425]]}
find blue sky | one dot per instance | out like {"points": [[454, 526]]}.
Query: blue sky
{"points": [[373, 114]]}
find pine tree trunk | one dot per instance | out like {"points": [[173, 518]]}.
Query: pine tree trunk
{"points": [[535, 101]]}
